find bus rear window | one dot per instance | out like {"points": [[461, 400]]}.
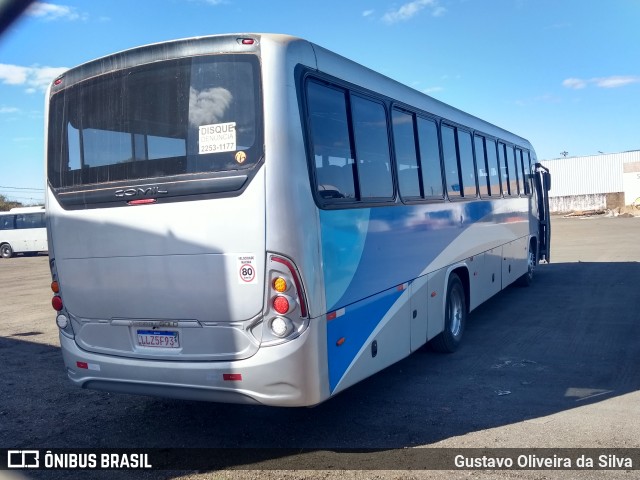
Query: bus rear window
{"points": [[187, 116]]}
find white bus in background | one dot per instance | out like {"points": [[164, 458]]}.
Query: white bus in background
{"points": [[22, 230], [256, 219]]}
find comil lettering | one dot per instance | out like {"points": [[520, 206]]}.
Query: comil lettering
{"points": [[140, 191]]}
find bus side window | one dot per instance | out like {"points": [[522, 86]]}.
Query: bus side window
{"points": [[493, 167], [481, 167], [467, 168], [372, 148], [504, 171], [513, 171], [529, 169], [451, 173], [521, 155], [430, 158], [406, 158], [7, 222], [331, 142], [22, 221]]}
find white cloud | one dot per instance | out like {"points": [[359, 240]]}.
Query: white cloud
{"points": [[13, 74], [8, 110], [34, 78], [613, 81], [367, 13], [575, 83], [411, 9], [51, 11]]}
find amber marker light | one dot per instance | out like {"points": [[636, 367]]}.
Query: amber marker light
{"points": [[55, 288], [280, 285]]}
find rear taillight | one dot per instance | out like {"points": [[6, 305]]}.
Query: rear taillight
{"points": [[62, 320], [286, 314], [296, 281], [56, 301]]}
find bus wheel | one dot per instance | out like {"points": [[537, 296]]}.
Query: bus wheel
{"points": [[455, 318], [6, 251], [526, 279]]}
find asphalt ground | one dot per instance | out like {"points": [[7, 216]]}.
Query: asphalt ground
{"points": [[554, 366]]}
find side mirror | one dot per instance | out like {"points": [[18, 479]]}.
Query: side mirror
{"points": [[546, 178]]}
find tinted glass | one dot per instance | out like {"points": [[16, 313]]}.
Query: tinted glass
{"points": [[430, 158], [523, 166], [504, 173], [330, 142], [450, 161], [493, 167], [526, 160], [481, 167], [372, 148], [7, 222], [406, 158], [466, 163], [167, 118], [513, 171], [30, 220]]}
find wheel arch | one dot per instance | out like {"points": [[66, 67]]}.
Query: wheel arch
{"points": [[462, 271], [533, 245]]}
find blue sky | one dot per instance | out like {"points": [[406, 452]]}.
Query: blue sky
{"points": [[563, 73]]}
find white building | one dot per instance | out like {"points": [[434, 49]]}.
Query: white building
{"points": [[596, 182]]}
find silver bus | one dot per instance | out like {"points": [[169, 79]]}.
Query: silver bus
{"points": [[255, 219]]}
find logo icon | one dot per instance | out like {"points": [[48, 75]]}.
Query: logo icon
{"points": [[23, 459]]}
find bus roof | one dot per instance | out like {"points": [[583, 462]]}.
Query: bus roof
{"points": [[26, 209]]}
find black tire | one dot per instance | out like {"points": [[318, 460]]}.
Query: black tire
{"points": [[455, 318], [6, 251], [527, 279]]}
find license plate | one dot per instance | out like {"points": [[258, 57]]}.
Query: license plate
{"points": [[158, 338]]}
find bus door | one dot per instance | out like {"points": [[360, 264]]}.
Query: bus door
{"points": [[543, 185]]}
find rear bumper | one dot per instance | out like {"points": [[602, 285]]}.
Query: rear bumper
{"points": [[289, 374]]}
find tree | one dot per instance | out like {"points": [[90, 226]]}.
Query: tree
{"points": [[6, 205]]}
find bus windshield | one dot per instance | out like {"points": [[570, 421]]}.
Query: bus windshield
{"points": [[184, 116]]}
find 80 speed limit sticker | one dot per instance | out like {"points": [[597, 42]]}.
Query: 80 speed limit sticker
{"points": [[247, 270]]}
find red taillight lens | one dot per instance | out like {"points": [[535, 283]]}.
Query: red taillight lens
{"points": [[281, 305], [56, 303]]}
